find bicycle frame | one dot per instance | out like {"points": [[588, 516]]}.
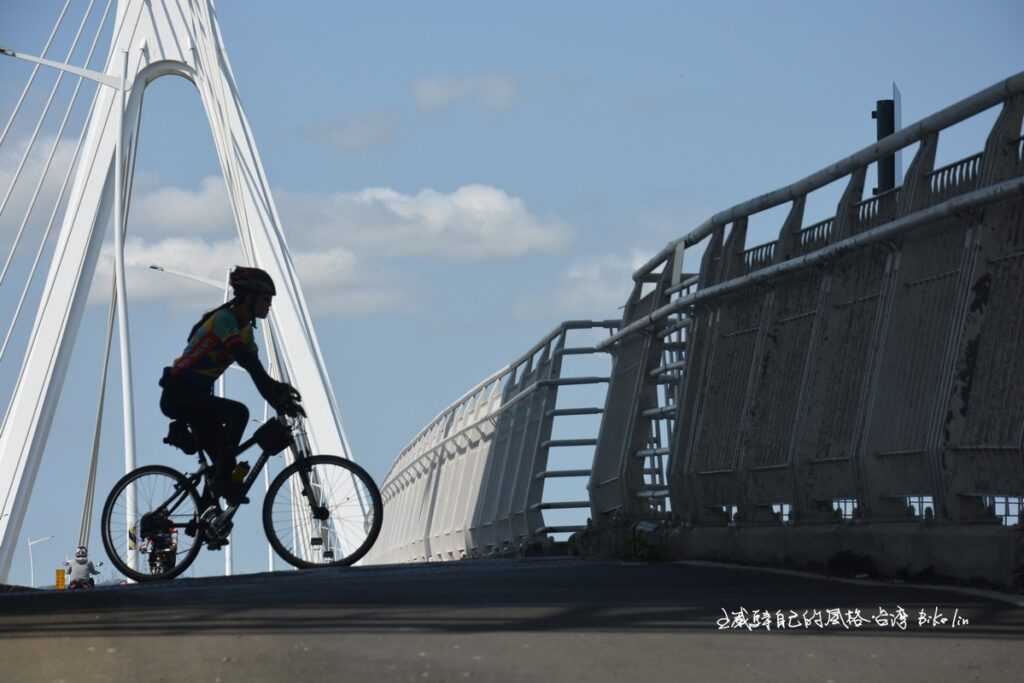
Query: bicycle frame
{"points": [[317, 528], [299, 447]]}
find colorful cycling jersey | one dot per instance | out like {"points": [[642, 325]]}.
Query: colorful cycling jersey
{"points": [[208, 353]]}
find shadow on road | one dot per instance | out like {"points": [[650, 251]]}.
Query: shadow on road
{"points": [[487, 596]]}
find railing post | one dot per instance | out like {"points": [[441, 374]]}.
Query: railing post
{"points": [[616, 434], [735, 245], [916, 191], [683, 462], [530, 492], [846, 213], [1000, 156], [788, 244], [965, 468]]}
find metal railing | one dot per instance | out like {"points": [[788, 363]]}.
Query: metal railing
{"points": [[905, 137], [845, 372], [956, 178], [471, 482], [877, 209], [851, 165], [814, 236], [758, 257], [768, 406]]}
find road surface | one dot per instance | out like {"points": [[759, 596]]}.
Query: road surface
{"points": [[505, 620]]}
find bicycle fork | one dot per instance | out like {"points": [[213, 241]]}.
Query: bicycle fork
{"points": [[319, 532]]}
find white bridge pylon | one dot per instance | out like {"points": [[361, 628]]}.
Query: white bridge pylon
{"points": [[179, 38]]}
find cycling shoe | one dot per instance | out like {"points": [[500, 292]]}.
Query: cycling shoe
{"points": [[233, 492]]}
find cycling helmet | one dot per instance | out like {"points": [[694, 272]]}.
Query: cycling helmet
{"points": [[251, 281], [81, 552]]}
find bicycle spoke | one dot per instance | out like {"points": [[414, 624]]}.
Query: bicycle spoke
{"points": [[164, 508], [331, 522]]}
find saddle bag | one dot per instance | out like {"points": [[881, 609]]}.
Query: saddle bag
{"points": [[180, 436]]}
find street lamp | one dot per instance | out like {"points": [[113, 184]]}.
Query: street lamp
{"points": [[31, 563], [190, 276]]}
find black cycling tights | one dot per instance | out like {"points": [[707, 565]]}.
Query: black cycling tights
{"points": [[218, 423]]}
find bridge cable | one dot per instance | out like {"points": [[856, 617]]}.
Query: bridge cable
{"points": [[35, 70], [63, 187], [90, 486], [35, 135]]}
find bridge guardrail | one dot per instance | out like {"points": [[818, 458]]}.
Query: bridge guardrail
{"points": [[857, 370], [471, 482]]}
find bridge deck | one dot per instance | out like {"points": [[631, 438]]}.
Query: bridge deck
{"points": [[497, 620]]}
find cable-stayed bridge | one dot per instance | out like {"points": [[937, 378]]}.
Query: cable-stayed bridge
{"points": [[147, 42], [856, 375], [846, 397]]}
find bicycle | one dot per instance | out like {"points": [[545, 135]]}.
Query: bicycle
{"points": [[319, 511]]}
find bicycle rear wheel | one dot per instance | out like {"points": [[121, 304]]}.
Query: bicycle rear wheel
{"points": [[333, 522], [167, 508]]}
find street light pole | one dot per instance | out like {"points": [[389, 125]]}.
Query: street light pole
{"points": [[31, 563], [229, 552], [205, 280]]}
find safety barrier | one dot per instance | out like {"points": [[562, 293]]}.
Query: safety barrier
{"points": [[853, 387], [865, 370], [471, 483]]}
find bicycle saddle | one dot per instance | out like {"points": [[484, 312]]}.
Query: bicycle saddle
{"points": [[180, 436]]}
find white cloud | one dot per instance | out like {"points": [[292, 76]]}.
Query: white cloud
{"points": [[17, 204], [492, 91], [598, 287], [475, 222], [355, 134], [333, 237], [335, 283], [205, 211]]}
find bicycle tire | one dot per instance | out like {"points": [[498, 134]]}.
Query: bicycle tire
{"points": [[374, 503], [111, 545]]}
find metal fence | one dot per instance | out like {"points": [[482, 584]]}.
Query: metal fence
{"points": [[472, 482], [853, 386], [867, 369]]}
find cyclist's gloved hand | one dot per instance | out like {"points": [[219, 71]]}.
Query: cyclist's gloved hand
{"points": [[287, 401], [293, 409]]}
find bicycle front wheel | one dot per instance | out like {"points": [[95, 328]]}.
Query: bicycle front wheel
{"points": [[322, 511], [162, 537]]}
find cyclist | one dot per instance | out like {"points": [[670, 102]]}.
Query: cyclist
{"points": [[81, 570], [221, 337]]}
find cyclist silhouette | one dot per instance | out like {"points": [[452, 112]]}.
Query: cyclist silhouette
{"points": [[221, 337]]}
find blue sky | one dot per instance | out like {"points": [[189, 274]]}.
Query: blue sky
{"points": [[457, 178]]}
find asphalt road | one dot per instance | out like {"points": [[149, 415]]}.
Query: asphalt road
{"points": [[529, 620]]}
